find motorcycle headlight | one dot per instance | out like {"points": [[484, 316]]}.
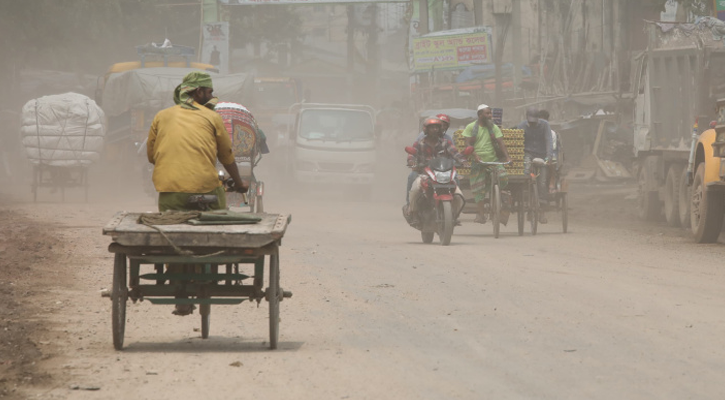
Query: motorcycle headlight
{"points": [[443, 177]]}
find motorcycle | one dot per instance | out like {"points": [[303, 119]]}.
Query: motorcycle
{"points": [[435, 203]]}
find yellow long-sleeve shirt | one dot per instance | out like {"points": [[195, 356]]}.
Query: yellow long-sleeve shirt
{"points": [[184, 145]]}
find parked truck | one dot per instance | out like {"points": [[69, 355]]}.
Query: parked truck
{"points": [[676, 83]]}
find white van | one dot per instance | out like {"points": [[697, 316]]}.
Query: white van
{"points": [[333, 144]]}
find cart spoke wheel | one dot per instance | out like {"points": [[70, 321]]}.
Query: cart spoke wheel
{"points": [[119, 294], [520, 213], [564, 212], [205, 311], [534, 207], [496, 210], [273, 295]]}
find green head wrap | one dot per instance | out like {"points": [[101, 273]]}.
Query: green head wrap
{"points": [[191, 82]]}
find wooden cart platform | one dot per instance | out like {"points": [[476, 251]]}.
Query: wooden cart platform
{"points": [[185, 263]]}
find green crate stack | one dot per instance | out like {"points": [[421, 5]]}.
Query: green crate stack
{"points": [[514, 141]]}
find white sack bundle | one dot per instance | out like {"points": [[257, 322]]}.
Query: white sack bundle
{"points": [[63, 130]]}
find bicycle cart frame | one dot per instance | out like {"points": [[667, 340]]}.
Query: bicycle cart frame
{"points": [[209, 248], [59, 178]]}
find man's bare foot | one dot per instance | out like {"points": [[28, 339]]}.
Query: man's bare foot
{"points": [[184, 309]]}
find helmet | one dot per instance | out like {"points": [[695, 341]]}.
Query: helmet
{"points": [[431, 121], [444, 118]]}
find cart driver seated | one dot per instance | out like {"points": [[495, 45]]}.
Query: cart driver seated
{"points": [[184, 143], [485, 136], [557, 156]]}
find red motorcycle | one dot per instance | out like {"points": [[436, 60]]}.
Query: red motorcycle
{"points": [[435, 213]]}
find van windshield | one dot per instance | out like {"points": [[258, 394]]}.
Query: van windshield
{"points": [[336, 125]]}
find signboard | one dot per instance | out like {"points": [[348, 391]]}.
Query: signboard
{"points": [[215, 45], [453, 50], [719, 7], [298, 2]]}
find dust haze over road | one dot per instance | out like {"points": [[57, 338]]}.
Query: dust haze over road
{"points": [[610, 310]]}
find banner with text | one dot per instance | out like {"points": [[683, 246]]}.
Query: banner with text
{"points": [[451, 51]]}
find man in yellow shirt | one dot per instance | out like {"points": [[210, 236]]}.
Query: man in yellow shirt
{"points": [[184, 143]]}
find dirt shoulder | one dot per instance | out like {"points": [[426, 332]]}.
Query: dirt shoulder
{"points": [[29, 249]]}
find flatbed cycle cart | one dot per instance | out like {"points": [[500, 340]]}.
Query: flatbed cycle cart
{"points": [[211, 261]]}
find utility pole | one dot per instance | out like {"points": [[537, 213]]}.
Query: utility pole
{"points": [[477, 12], [350, 38], [516, 44], [423, 12]]}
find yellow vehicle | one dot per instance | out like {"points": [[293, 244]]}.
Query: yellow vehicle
{"points": [[117, 93], [707, 197]]}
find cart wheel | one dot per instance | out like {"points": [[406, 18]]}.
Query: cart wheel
{"points": [[205, 311], [496, 210], [564, 212], [534, 207], [521, 213], [119, 294], [273, 299], [445, 227], [427, 237]]}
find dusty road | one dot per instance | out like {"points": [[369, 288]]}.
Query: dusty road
{"points": [[610, 310]]}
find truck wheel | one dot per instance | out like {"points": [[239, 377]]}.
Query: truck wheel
{"points": [[684, 200], [672, 195], [706, 210], [648, 206]]}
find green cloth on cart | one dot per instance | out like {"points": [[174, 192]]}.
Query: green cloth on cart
{"points": [[218, 217], [224, 218]]}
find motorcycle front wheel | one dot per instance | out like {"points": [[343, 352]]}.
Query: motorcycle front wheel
{"points": [[445, 223]]}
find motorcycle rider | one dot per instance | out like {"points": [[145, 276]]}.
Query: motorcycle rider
{"points": [[430, 147], [446, 122]]}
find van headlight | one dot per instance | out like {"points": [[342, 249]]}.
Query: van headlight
{"points": [[366, 168], [305, 166]]}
